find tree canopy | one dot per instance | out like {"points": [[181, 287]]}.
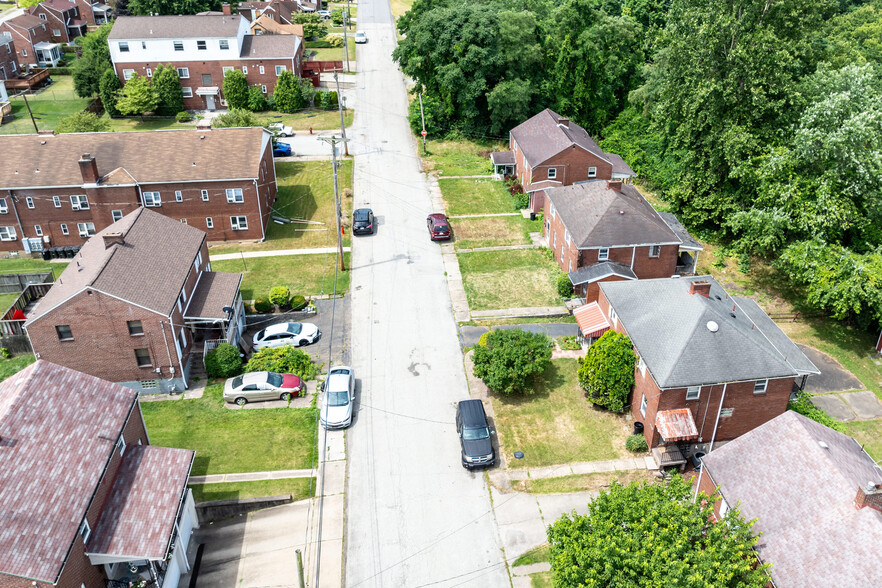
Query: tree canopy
{"points": [[511, 359], [607, 372], [168, 89], [236, 89], [137, 97], [89, 68]]}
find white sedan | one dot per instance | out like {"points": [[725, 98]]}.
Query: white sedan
{"points": [[282, 334], [338, 393], [360, 37]]}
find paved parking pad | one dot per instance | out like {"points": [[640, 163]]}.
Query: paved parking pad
{"points": [[865, 404], [834, 406], [833, 377]]}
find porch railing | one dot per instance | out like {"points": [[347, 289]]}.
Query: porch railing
{"points": [[31, 292]]}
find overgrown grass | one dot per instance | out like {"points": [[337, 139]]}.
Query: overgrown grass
{"points": [[319, 120], [9, 367], [460, 156], [581, 482], [49, 106], [492, 231], [305, 192], [868, 434], [542, 580], [298, 488], [556, 425], [536, 555], [233, 441], [475, 196], [309, 275], [508, 279], [26, 265]]}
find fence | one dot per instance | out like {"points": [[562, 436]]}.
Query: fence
{"points": [[11, 283], [9, 327]]}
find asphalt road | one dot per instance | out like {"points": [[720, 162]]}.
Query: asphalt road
{"points": [[414, 516]]}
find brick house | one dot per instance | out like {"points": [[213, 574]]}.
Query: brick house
{"points": [[203, 48], [265, 24], [711, 366], [62, 17], [136, 304], [606, 230], [277, 10], [84, 498], [33, 41], [8, 61], [58, 190], [815, 494], [549, 150]]}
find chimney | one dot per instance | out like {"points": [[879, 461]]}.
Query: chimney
{"points": [[226, 8], [564, 122], [115, 238], [89, 169], [700, 287], [614, 185], [869, 495]]}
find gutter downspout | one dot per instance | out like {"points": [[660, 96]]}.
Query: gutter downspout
{"points": [[713, 438], [259, 208], [633, 255], [167, 350], [17, 219]]}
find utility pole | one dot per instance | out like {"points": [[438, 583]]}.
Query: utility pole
{"points": [[25, 98], [340, 108], [332, 141], [345, 38], [423, 116]]}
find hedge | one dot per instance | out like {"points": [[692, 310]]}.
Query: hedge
{"points": [[60, 71]]}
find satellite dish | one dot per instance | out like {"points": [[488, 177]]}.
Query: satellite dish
{"points": [[712, 326]]}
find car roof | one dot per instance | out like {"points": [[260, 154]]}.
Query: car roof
{"points": [[338, 382], [254, 377], [472, 413], [278, 328], [359, 212]]}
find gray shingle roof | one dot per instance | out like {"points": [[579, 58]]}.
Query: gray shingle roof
{"points": [[214, 291], [668, 326], [269, 46], [802, 494], [175, 27], [689, 242], [598, 216], [595, 271]]}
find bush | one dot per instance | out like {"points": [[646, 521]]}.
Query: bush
{"points": [[803, 405], [235, 117], [570, 343], [280, 295], [286, 360], [257, 99], [482, 340], [511, 360], [521, 201], [60, 71], [607, 373], [564, 285], [636, 444], [223, 361], [183, 116], [262, 305], [298, 302], [4, 353]]}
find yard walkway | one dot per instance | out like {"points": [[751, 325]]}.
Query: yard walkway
{"points": [[251, 476], [277, 252]]}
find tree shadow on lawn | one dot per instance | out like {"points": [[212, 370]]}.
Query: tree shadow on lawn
{"points": [[550, 379]]}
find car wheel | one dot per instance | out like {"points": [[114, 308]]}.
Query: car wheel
{"points": [[241, 401], [301, 343], [285, 396]]}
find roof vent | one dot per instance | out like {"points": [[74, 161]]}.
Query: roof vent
{"points": [[712, 326], [732, 314], [717, 296], [823, 445]]}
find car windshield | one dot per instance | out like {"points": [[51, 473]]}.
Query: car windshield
{"points": [[338, 398], [475, 434], [295, 328], [237, 381], [274, 379], [440, 228]]}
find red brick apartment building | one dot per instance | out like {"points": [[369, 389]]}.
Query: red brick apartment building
{"points": [[33, 41], [8, 61], [59, 190], [85, 500], [63, 19]]}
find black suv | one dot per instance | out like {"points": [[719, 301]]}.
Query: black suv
{"points": [[363, 221], [474, 435]]}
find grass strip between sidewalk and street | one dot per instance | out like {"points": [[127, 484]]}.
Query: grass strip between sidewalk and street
{"points": [[298, 488]]}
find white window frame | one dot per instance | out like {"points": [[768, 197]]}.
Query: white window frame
{"points": [[641, 365], [183, 73], [183, 340], [38, 230], [260, 68], [123, 46], [209, 223], [613, 316], [552, 173], [654, 250], [760, 386], [227, 68], [186, 91], [152, 199], [592, 172], [176, 44], [79, 202], [56, 202], [235, 196], [280, 69], [179, 196], [205, 195], [149, 73], [86, 230], [198, 261], [121, 445], [4, 208], [84, 531], [237, 224], [643, 404], [29, 202], [263, 88], [201, 45], [64, 229], [245, 69], [567, 236], [116, 215], [603, 254], [24, 52], [42, 16], [56, 32], [727, 412], [128, 74], [224, 45], [693, 392]]}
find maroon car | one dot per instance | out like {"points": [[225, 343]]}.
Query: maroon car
{"points": [[439, 228]]}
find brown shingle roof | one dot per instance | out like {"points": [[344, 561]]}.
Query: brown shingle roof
{"points": [[151, 156], [176, 27], [148, 269], [138, 519], [802, 495], [269, 46], [276, 28], [26, 21], [58, 428], [214, 291]]}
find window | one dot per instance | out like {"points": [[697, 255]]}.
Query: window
{"points": [[654, 250], [245, 69], [7, 233], [42, 16], [613, 316], [135, 327], [38, 230], [183, 72], [209, 224], [86, 230], [263, 89], [592, 172], [149, 73], [551, 209], [206, 79], [693, 392], [643, 406], [64, 230], [12, 63], [187, 92], [56, 201], [29, 201], [116, 214], [224, 44], [567, 236], [759, 387], [602, 254], [179, 46], [234, 195], [179, 197], [148, 385], [128, 73], [226, 69], [63, 332], [205, 195], [201, 45], [552, 173], [641, 365], [198, 261], [727, 412], [183, 221], [123, 47], [57, 33], [280, 69], [261, 69], [142, 356], [24, 52], [183, 339], [4, 209], [152, 199], [143, 44], [121, 445], [79, 202], [85, 531], [239, 223]]}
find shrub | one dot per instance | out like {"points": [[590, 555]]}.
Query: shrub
{"points": [[803, 405], [82, 122], [223, 361], [256, 99], [564, 285], [60, 71], [571, 343], [607, 373], [511, 360], [235, 117], [298, 302], [521, 201], [262, 305], [4, 353], [183, 116], [280, 295], [335, 41], [287, 360], [636, 444], [482, 340]]}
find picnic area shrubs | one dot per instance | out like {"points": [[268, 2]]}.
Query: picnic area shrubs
{"points": [[262, 305], [564, 285], [280, 296], [299, 302], [636, 444], [223, 361], [607, 372], [511, 359], [803, 405], [284, 360]]}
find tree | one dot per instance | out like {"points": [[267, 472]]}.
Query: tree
{"points": [[168, 87], [236, 117], [286, 359], [313, 25], [108, 89], [287, 95], [437, 121], [137, 97], [82, 122], [607, 372], [256, 99], [28, 3], [224, 361], [145, 7], [307, 91], [236, 89], [654, 536], [89, 68], [511, 360]]}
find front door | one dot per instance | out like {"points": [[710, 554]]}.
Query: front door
{"points": [[206, 79], [209, 103]]}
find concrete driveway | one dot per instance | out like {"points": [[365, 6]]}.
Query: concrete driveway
{"points": [[469, 335], [833, 377]]}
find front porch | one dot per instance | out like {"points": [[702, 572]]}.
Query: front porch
{"points": [[677, 431], [503, 164]]}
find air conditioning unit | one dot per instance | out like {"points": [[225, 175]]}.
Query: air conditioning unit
{"points": [[75, 206]]}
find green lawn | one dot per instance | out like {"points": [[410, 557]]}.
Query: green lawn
{"points": [[334, 53], [868, 434], [541, 554], [309, 275], [6, 300], [493, 231], [306, 192], [319, 120], [556, 425], [148, 124], [495, 280], [475, 196], [460, 157], [542, 580], [12, 366], [581, 482], [25, 265], [298, 488], [399, 7], [231, 441], [49, 106]]}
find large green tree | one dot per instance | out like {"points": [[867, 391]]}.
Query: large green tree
{"points": [[89, 68], [654, 536], [236, 89], [108, 88], [607, 372], [287, 95], [168, 88], [511, 360], [145, 7], [137, 97]]}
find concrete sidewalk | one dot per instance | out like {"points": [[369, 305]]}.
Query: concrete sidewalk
{"points": [[535, 311], [251, 476], [274, 253]]}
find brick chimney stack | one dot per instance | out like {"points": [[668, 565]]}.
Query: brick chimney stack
{"points": [[614, 185], [226, 8], [89, 169], [869, 495], [700, 287], [564, 122], [115, 238]]}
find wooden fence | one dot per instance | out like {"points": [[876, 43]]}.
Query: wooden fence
{"points": [[9, 327], [12, 283]]}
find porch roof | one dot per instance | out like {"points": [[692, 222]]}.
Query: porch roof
{"points": [[207, 90], [676, 425], [214, 291], [45, 45], [597, 271], [591, 321], [541, 185], [502, 158]]}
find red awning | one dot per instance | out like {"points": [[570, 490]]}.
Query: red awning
{"points": [[676, 425], [591, 321]]}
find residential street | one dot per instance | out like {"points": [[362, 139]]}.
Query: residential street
{"points": [[414, 516]]}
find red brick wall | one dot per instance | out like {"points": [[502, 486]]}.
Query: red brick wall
{"points": [[54, 21], [708, 487], [25, 40], [85, 10], [590, 292], [7, 60], [663, 266], [572, 166]]}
